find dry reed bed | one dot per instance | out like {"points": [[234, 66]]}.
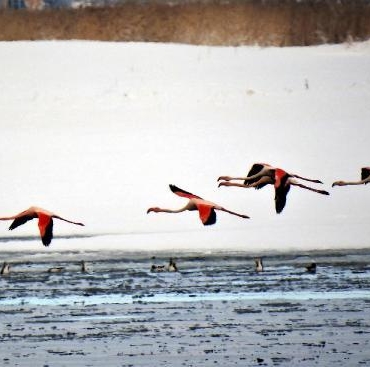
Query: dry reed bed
{"points": [[235, 22]]}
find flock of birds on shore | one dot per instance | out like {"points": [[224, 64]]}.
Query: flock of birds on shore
{"points": [[170, 267], [260, 175], [5, 269]]}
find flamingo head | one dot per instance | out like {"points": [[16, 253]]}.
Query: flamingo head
{"points": [[338, 183], [155, 210]]}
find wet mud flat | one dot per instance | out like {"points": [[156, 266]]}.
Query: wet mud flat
{"points": [[236, 332], [215, 311]]}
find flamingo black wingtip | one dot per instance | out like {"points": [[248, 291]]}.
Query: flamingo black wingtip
{"points": [[173, 188], [176, 190], [211, 219]]}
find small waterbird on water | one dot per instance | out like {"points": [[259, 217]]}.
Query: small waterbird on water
{"points": [[158, 268], [84, 268], [45, 223], [262, 174], [259, 265], [5, 269], [171, 267], [311, 268], [205, 208], [365, 179], [57, 269]]}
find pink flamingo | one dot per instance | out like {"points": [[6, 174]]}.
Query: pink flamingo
{"points": [[262, 174], [45, 222], [205, 208]]}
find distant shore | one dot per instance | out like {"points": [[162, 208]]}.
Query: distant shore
{"points": [[266, 23]]}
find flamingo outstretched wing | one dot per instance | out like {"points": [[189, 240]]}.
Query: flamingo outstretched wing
{"points": [[46, 228], [19, 221], [282, 187], [207, 214], [255, 169], [180, 192], [45, 221], [280, 197]]}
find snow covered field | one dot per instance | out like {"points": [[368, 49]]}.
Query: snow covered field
{"points": [[96, 132]]}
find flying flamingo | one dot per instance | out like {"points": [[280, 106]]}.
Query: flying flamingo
{"points": [[262, 174], [45, 222], [365, 178], [205, 208]]}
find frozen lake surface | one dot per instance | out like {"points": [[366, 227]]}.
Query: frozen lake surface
{"points": [[215, 309]]}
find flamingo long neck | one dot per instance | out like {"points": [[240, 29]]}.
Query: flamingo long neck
{"points": [[163, 210], [8, 218], [235, 184], [347, 183], [265, 171]]}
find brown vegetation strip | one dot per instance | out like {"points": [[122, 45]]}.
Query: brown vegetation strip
{"points": [[234, 22]]}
